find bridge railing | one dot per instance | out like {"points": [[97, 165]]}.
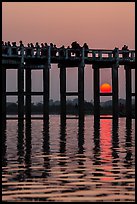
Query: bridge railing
{"points": [[66, 53], [97, 53], [127, 54]]}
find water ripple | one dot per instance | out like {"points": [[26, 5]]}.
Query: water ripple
{"points": [[69, 162]]}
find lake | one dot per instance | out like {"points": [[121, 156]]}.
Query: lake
{"points": [[90, 162]]}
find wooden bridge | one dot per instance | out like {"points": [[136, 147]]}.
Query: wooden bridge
{"points": [[25, 59]]}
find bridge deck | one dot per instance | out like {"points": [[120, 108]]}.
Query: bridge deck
{"points": [[103, 58]]}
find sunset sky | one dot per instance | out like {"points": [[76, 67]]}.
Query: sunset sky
{"points": [[101, 25]]}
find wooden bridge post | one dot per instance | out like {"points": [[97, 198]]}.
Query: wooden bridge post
{"points": [[21, 92], [115, 91], [81, 91], [3, 78], [46, 92], [96, 81], [63, 92], [28, 93], [128, 91]]}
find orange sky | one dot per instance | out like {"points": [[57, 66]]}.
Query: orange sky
{"points": [[100, 24]]}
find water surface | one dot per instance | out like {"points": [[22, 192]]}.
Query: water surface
{"points": [[69, 162]]}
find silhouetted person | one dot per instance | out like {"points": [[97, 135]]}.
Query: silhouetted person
{"points": [[37, 49], [31, 45], [86, 49], [54, 51], [51, 49], [74, 45], [21, 44], [42, 45], [14, 44], [76, 48], [37, 45], [9, 48], [32, 49], [44, 49], [28, 50], [21, 48], [62, 51], [115, 52], [126, 53], [46, 45], [3, 48], [9, 44], [69, 51], [14, 48]]}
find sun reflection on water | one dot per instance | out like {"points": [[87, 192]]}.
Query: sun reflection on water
{"points": [[90, 161]]}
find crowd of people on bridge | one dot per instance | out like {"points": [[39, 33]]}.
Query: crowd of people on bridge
{"points": [[42, 49]]}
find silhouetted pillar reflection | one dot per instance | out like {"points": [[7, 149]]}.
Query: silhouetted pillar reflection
{"points": [[63, 137], [81, 136], [128, 143], [4, 146], [20, 144], [46, 149], [96, 149], [28, 146], [3, 80], [81, 167], [128, 91], [62, 162], [20, 149], [115, 142]]}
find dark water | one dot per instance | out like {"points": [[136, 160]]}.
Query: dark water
{"points": [[94, 162]]}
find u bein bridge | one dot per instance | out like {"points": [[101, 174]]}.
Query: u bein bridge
{"points": [[25, 59]]}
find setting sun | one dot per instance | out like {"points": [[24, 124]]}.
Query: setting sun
{"points": [[105, 88]]}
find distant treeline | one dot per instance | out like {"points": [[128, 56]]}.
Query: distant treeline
{"points": [[71, 108], [12, 108]]}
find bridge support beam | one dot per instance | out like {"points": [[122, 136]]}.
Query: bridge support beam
{"points": [[96, 76], [63, 92], [128, 91], [20, 92], [115, 91], [81, 92], [46, 92], [28, 93]]}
